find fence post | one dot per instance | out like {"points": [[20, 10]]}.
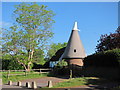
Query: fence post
{"points": [[71, 74], [8, 74], [25, 72], [39, 71]]}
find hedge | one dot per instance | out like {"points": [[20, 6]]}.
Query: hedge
{"points": [[110, 58]]}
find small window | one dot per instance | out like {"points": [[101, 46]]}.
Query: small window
{"points": [[74, 50]]}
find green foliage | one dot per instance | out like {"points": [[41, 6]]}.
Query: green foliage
{"points": [[39, 57], [14, 65], [36, 21], [61, 69], [9, 63], [32, 30], [54, 48], [110, 58], [61, 64]]}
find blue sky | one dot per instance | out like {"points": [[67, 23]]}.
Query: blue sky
{"points": [[94, 19]]}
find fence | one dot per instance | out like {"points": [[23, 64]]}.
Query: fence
{"points": [[24, 72]]}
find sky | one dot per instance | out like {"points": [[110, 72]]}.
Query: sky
{"points": [[94, 19]]}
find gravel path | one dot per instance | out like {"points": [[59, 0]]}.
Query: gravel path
{"points": [[41, 82]]}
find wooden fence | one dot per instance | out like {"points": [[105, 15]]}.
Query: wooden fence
{"points": [[41, 69], [37, 71]]}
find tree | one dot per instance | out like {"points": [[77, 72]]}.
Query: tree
{"points": [[8, 63], [31, 31], [39, 57], [54, 48], [109, 42]]}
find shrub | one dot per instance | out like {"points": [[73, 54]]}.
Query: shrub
{"points": [[61, 68], [11, 64], [110, 58], [61, 64]]}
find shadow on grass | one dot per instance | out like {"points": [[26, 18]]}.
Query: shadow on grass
{"points": [[102, 83], [96, 82], [58, 76]]}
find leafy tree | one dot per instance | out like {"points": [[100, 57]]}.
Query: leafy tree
{"points": [[31, 31], [109, 42], [8, 63], [54, 48], [39, 57]]}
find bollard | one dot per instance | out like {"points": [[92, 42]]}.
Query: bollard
{"points": [[28, 85], [34, 85], [67, 89], [50, 84], [9, 82], [19, 83]]}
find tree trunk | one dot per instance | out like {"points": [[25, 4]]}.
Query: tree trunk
{"points": [[28, 66], [30, 56], [32, 53], [22, 64]]}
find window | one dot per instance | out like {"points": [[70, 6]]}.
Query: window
{"points": [[74, 50]]}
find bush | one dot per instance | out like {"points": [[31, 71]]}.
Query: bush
{"points": [[61, 64], [61, 68], [110, 58], [63, 71], [9, 63]]}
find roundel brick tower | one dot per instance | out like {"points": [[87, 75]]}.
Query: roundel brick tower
{"points": [[74, 52]]}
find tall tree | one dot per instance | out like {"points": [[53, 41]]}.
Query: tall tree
{"points": [[54, 48], [32, 31], [109, 42], [39, 57]]}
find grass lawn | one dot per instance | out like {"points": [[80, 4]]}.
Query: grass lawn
{"points": [[16, 78], [12, 72], [80, 81]]}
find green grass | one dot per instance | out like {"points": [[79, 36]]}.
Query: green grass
{"points": [[79, 81], [16, 78], [71, 82], [12, 72]]}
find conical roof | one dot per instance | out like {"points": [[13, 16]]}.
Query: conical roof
{"points": [[74, 47]]}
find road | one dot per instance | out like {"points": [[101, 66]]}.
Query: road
{"points": [[41, 82]]}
